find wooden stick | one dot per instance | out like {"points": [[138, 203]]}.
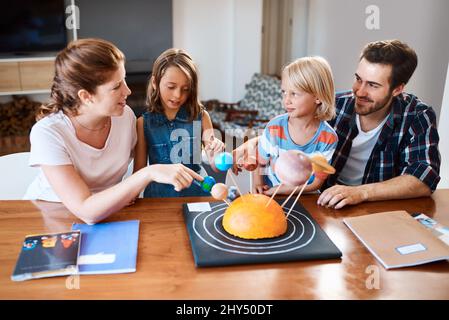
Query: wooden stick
{"points": [[286, 200], [227, 202], [250, 182], [296, 200], [275, 191]]}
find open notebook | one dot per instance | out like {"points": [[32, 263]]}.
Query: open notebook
{"points": [[397, 240]]}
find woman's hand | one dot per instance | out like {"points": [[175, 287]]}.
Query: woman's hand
{"points": [[130, 203], [177, 175]]}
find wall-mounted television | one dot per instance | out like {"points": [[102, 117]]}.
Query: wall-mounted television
{"points": [[30, 26], [142, 29]]}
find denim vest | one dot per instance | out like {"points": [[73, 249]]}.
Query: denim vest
{"points": [[173, 141]]}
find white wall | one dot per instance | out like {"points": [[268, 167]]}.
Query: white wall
{"points": [[300, 25], [338, 33], [444, 137], [224, 39]]}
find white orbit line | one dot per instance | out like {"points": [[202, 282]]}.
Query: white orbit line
{"points": [[253, 242], [254, 253], [247, 246]]}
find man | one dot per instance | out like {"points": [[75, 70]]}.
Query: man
{"points": [[388, 139]]}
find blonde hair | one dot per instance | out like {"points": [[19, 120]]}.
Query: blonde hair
{"points": [[181, 59], [83, 64], [314, 76]]}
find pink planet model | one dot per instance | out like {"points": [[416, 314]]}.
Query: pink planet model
{"points": [[293, 168], [219, 191]]}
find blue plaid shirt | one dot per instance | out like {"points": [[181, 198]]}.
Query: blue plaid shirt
{"points": [[407, 144]]}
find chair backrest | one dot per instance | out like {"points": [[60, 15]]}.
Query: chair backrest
{"points": [[15, 175], [129, 172], [263, 93]]}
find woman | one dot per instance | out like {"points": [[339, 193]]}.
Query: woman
{"points": [[84, 139]]}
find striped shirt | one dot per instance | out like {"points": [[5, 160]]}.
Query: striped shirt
{"points": [[407, 144], [276, 139]]}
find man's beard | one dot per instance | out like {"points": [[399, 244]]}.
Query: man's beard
{"points": [[372, 108]]}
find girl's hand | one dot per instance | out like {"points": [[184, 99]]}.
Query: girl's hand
{"points": [[214, 146], [177, 175]]}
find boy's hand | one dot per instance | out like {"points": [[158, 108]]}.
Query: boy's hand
{"points": [[261, 189], [246, 151], [269, 192]]}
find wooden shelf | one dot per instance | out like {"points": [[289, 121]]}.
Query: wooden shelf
{"points": [[26, 76], [9, 77]]}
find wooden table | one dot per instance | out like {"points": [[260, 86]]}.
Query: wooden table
{"points": [[166, 270]]}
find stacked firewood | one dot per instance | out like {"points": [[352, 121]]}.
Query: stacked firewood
{"points": [[16, 119], [17, 116]]}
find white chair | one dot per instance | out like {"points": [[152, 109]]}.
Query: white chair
{"points": [[129, 172], [15, 175]]}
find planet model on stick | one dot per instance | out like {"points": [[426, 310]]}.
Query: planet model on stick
{"points": [[223, 161], [207, 184], [320, 164], [293, 168], [219, 191], [250, 216]]}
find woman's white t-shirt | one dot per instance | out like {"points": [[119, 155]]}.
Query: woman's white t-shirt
{"points": [[54, 142]]}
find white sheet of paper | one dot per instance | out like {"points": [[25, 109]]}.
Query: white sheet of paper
{"points": [[199, 206], [99, 258], [445, 238], [411, 248]]}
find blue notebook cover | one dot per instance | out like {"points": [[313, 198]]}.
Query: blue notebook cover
{"points": [[109, 247]]}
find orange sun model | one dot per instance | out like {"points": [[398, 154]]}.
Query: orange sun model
{"points": [[249, 217]]}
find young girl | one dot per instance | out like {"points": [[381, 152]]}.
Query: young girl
{"points": [[85, 137], [308, 97], [172, 129]]}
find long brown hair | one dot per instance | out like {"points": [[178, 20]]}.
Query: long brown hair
{"points": [[181, 59], [83, 64]]}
